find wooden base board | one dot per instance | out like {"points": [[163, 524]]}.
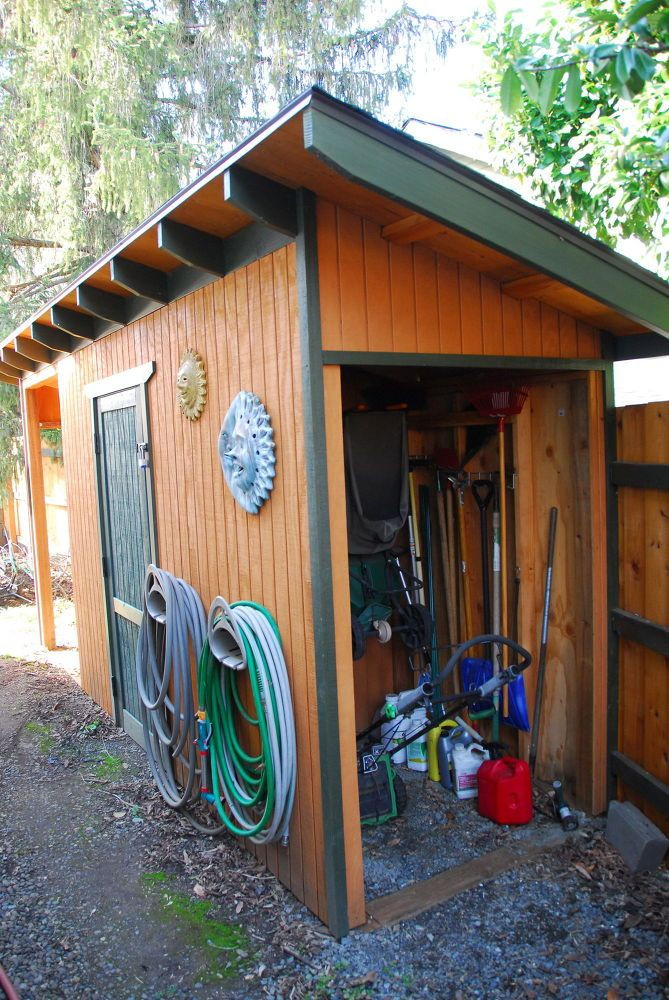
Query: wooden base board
{"points": [[421, 896]]}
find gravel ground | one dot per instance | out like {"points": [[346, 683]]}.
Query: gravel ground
{"points": [[436, 831], [108, 894]]}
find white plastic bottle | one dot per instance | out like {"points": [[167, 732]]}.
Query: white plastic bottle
{"points": [[417, 749]]}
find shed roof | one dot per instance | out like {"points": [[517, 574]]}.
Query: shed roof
{"points": [[244, 203]]}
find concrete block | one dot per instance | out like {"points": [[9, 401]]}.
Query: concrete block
{"points": [[641, 844]]}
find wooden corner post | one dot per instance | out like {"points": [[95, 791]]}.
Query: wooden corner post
{"points": [[38, 524]]}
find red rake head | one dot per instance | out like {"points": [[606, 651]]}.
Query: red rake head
{"points": [[501, 402]]}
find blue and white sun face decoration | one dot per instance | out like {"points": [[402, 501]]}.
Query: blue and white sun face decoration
{"points": [[247, 451]]}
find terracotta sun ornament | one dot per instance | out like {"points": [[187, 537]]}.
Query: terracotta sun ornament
{"points": [[191, 384], [246, 447]]}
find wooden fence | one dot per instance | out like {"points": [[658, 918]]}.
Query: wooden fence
{"points": [[641, 475]]}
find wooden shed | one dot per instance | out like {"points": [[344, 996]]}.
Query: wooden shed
{"points": [[328, 255]]}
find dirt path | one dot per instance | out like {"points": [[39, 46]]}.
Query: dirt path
{"points": [[105, 894]]}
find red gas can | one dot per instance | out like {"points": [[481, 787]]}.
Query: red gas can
{"points": [[505, 790]]}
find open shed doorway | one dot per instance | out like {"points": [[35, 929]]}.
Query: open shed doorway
{"points": [[554, 456], [47, 510]]}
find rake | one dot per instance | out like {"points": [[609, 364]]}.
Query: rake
{"points": [[500, 403]]}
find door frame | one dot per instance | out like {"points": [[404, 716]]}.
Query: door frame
{"points": [[131, 378]]}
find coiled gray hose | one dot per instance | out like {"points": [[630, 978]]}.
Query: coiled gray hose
{"points": [[173, 630]]}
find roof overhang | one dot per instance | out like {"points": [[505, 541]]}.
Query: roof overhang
{"points": [[243, 206]]}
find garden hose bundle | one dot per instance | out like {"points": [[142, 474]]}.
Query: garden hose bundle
{"points": [[253, 793], [172, 632]]}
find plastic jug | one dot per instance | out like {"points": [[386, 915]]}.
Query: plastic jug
{"points": [[505, 790], [417, 749], [466, 763], [433, 763]]}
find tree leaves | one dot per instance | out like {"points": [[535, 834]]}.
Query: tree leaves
{"points": [[106, 109], [572, 96], [589, 133], [548, 88], [643, 9], [510, 92]]}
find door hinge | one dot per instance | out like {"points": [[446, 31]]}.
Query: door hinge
{"points": [[96, 443], [105, 567]]}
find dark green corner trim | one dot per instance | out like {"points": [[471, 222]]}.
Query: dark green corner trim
{"points": [[612, 584], [391, 359], [321, 564], [383, 164]]}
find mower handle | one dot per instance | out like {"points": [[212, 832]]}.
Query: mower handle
{"points": [[486, 640]]}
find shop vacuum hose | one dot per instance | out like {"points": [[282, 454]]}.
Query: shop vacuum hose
{"points": [[253, 793], [173, 630]]}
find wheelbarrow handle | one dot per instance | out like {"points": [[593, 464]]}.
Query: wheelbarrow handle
{"points": [[483, 491]]}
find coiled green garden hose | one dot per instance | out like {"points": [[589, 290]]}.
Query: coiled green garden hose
{"points": [[253, 793]]}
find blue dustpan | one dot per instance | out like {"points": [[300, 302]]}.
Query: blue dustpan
{"points": [[475, 672], [517, 716]]}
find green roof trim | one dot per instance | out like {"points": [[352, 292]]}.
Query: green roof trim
{"points": [[394, 165]]}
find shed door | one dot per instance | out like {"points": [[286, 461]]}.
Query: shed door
{"points": [[126, 521], [641, 621]]}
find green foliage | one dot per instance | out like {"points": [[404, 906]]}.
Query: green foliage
{"points": [[107, 107], [11, 450], [52, 437], [585, 102]]}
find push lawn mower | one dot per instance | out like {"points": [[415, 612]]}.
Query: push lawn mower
{"points": [[380, 590], [380, 788]]}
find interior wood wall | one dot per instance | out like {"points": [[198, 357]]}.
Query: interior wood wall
{"points": [[559, 449], [245, 326], [381, 296], [643, 436]]}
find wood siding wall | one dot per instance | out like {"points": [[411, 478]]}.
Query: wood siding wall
{"points": [[643, 436], [380, 296], [246, 328]]}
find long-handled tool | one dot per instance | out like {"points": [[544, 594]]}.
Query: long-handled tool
{"points": [[426, 528], [536, 722], [501, 403], [483, 491], [451, 615], [459, 482]]}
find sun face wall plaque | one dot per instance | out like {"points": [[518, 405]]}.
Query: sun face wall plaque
{"points": [[247, 451], [191, 384]]}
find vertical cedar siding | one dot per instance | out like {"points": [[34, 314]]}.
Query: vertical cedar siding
{"points": [[381, 296], [245, 326]]}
